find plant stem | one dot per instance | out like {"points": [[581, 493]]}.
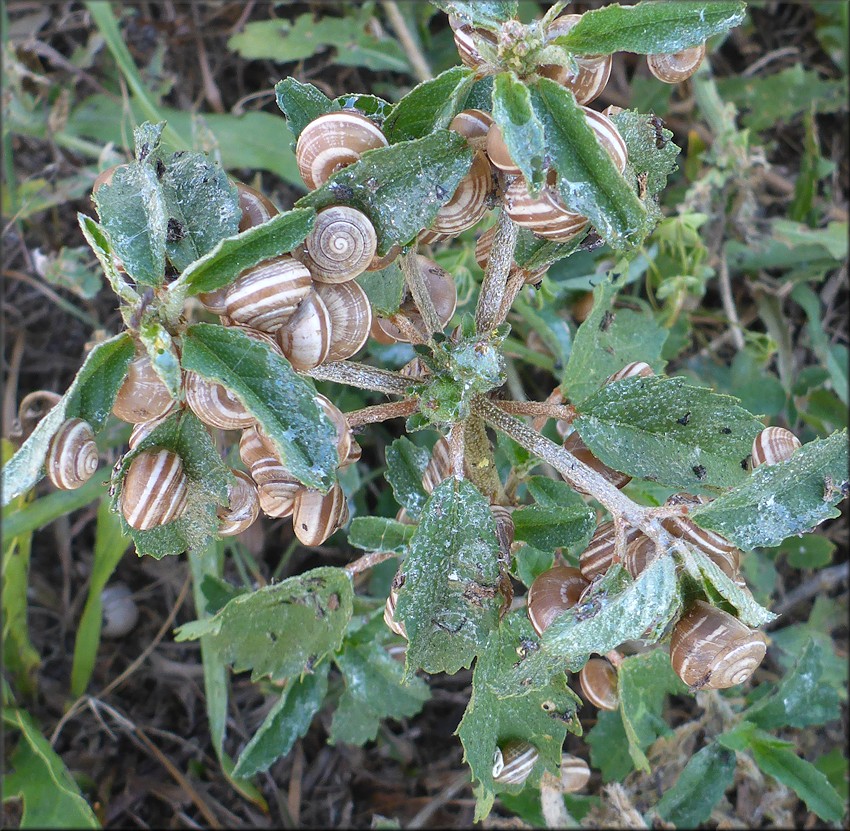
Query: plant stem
{"points": [[381, 412], [541, 409], [361, 376], [369, 560], [496, 274], [414, 54], [421, 296]]}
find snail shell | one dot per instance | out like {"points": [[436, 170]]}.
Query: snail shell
{"points": [[317, 516], [243, 506], [504, 528], [773, 445], [719, 550], [305, 338], [544, 214], [276, 486], [143, 396], [600, 553], [640, 552], [256, 207], [350, 315], [464, 37], [473, 125], [575, 773], [389, 615], [513, 762], [609, 137], [593, 70], [439, 466], [119, 610], [382, 262], [574, 444], [552, 592], [214, 404], [341, 245], [497, 151], [415, 368], [143, 429], [428, 236], [333, 141], [266, 296], [469, 202], [251, 447], [354, 454], [214, 301], [72, 455], [598, 681], [677, 67], [343, 432], [712, 650], [33, 408], [155, 489], [632, 370]]}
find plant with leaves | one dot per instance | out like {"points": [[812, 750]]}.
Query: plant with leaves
{"points": [[298, 293]]}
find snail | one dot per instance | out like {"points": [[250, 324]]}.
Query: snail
{"points": [[464, 37], [575, 445], [316, 516], [341, 245], [632, 370], [214, 404], [72, 455], [544, 214], [345, 438], [155, 490], [712, 650], [552, 592], [598, 681], [600, 553], [143, 429], [504, 529], [379, 263], [143, 395], [119, 611], [773, 445], [469, 203], [439, 466], [513, 762], [640, 552], [350, 315], [389, 615], [678, 66], [256, 207], [497, 151], [473, 125], [305, 338], [276, 486], [574, 773], [243, 506], [333, 141], [33, 408]]}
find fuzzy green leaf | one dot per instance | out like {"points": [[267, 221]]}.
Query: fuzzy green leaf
{"points": [[533, 252], [552, 492], [488, 14], [163, 355], [376, 533], [555, 526], [301, 103], [521, 129], [99, 242], [280, 630], [406, 462], [384, 288], [791, 497]]}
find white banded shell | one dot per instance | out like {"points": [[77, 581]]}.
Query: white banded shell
{"points": [[243, 506], [119, 610], [341, 245], [553, 592], [142, 396], [484, 245], [678, 66], [464, 37], [773, 445], [333, 141], [214, 301], [575, 445], [251, 447], [712, 650], [155, 489], [389, 615], [305, 338], [574, 773], [598, 681], [143, 429], [351, 318], [719, 550], [593, 71], [276, 486], [601, 551], [497, 151], [355, 451], [469, 202], [544, 214], [439, 465], [502, 516], [214, 404], [316, 516], [72, 455], [513, 762], [256, 207], [472, 124], [266, 296], [609, 137], [381, 262], [632, 370]]}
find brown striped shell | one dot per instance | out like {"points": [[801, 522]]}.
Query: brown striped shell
{"points": [[251, 447], [155, 489], [593, 71], [712, 650], [574, 773], [354, 454], [632, 370], [341, 245], [72, 455], [214, 404], [305, 339], [266, 296], [676, 67], [214, 301], [243, 506], [344, 436], [379, 262], [497, 151], [143, 395], [609, 137], [316, 516], [513, 762], [473, 125], [640, 552], [575, 445], [439, 466], [256, 207], [719, 550], [389, 615], [351, 318], [143, 429], [502, 516], [544, 214], [415, 368], [601, 553], [598, 681], [552, 592], [333, 141], [464, 37], [277, 488], [773, 445], [470, 201]]}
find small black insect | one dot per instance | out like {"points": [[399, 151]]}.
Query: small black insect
{"points": [[745, 462], [160, 168], [143, 151], [656, 123], [605, 323], [725, 430], [175, 231], [699, 471], [684, 419]]}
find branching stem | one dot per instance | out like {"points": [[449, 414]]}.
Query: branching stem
{"points": [[361, 376], [381, 412], [496, 274], [368, 561], [538, 409], [421, 296]]}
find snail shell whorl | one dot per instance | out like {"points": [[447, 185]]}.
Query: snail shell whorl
{"points": [[609, 137], [598, 681], [640, 552], [256, 207], [351, 318], [72, 455], [502, 516], [575, 445], [143, 396], [379, 263], [143, 429], [712, 650], [600, 553], [344, 435], [497, 151], [545, 214], [676, 67], [773, 445], [305, 338], [276, 486], [214, 301], [469, 202], [552, 592], [316, 516], [593, 70], [439, 465], [575, 773], [389, 615], [214, 404], [243, 506], [472, 124], [632, 370], [341, 245], [722, 552], [333, 141], [513, 762], [155, 489]]}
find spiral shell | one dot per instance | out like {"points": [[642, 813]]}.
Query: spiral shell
{"points": [[497, 151], [464, 37], [155, 489], [552, 592], [513, 762], [344, 436], [773, 445], [305, 338], [640, 552], [119, 610], [214, 404], [593, 70], [72, 455], [719, 550], [143, 429], [544, 214], [251, 447], [350, 315], [712, 650], [266, 296], [340, 246], [598, 681], [256, 208], [379, 263], [632, 370], [389, 615], [677, 67], [143, 396], [574, 773], [243, 506], [469, 202], [354, 454], [277, 488], [575, 445], [601, 552], [317, 516], [439, 466], [473, 125], [33, 408], [333, 141], [609, 137], [214, 301]]}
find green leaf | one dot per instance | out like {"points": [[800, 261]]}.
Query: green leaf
{"points": [[588, 179], [287, 721], [401, 187], [552, 492], [374, 533], [406, 462], [533, 252], [280, 630], [90, 397], [643, 682], [488, 14], [449, 602], [607, 341], [778, 759], [667, 431], [110, 543], [301, 103], [529, 562], [808, 551], [370, 105], [51, 797], [429, 106], [208, 479], [384, 288], [700, 786], [606, 740], [802, 698], [163, 355], [373, 691], [555, 526], [231, 256], [651, 28], [280, 400], [541, 716], [791, 497], [96, 236], [521, 129]]}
